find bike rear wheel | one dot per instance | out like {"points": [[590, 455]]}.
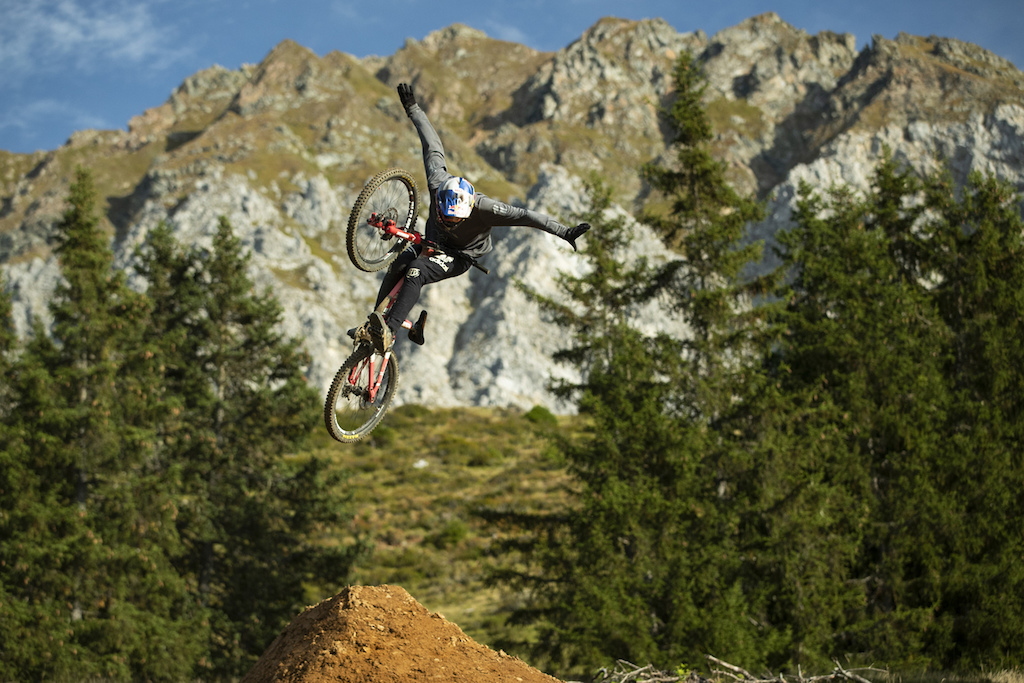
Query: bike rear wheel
{"points": [[392, 195], [349, 413]]}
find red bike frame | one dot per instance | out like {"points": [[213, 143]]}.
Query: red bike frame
{"points": [[390, 230], [376, 376]]}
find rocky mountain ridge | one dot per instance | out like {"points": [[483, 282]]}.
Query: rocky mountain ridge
{"points": [[282, 148]]}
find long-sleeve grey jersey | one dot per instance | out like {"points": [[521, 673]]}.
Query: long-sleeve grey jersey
{"points": [[472, 236]]}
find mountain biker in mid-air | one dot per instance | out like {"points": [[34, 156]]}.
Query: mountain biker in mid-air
{"points": [[460, 221]]}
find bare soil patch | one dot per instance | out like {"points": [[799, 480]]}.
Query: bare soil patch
{"points": [[382, 634]]}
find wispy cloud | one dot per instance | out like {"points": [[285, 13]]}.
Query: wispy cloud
{"points": [[350, 12], [27, 116], [45, 36], [505, 31], [30, 126]]}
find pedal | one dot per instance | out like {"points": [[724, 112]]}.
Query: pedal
{"points": [[416, 331], [359, 334]]}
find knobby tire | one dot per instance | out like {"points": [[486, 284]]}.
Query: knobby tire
{"points": [[393, 193], [350, 417]]}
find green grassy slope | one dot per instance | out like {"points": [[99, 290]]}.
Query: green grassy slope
{"points": [[418, 484]]}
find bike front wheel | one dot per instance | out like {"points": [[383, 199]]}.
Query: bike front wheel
{"points": [[391, 195], [351, 412]]}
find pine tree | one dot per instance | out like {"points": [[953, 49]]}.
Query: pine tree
{"points": [[706, 224], [645, 566], [711, 289], [8, 348], [252, 511], [860, 363], [153, 524], [92, 526], [12, 476], [974, 254], [32, 517], [901, 321], [8, 337], [597, 569]]}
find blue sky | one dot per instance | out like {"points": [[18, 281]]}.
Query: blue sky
{"points": [[66, 65]]}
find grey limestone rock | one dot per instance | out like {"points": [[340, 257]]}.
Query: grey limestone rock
{"points": [[282, 149]]}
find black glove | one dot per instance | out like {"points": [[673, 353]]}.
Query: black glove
{"points": [[573, 233], [405, 94]]}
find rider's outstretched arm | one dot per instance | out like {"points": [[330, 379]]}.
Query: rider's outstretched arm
{"points": [[437, 172], [433, 151], [508, 215]]}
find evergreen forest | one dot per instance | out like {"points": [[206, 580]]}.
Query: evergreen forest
{"points": [[156, 522], [828, 467]]}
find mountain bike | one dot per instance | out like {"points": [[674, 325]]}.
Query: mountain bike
{"points": [[380, 226]]}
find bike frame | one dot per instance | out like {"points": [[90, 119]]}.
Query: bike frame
{"points": [[390, 230], [378, 376]]}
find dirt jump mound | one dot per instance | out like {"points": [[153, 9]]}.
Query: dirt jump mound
{"points": [[381, 634]]}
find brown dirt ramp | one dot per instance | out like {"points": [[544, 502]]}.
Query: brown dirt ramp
{"points": [[381, 634]]}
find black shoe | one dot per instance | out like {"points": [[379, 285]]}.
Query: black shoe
{"points": [[380, 334], [416, 332]]}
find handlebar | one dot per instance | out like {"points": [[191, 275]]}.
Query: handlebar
{"points": [[390, 229]]}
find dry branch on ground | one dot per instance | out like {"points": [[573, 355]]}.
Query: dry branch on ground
{"points": [[627, 672]]}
